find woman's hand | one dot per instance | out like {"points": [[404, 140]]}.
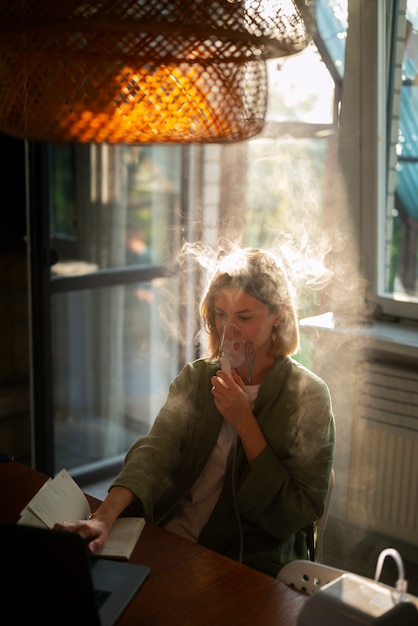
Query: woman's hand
{"points": [[230, 397], [233, 403], [94, 529]]}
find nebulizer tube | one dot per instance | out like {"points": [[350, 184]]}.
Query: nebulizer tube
{"points": [[235, 350]]}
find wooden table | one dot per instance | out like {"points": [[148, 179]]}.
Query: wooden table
{"points": [[188, 584]]}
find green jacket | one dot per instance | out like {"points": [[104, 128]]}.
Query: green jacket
{"points": [[278, 496]]}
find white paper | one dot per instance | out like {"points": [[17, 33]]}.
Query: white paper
{"points": [[59, 499]]}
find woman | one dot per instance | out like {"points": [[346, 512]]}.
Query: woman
{"points": [[239, 457]]}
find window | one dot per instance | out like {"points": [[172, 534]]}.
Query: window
{"points": [[283, 196], [117, 218], [115, 225], [401, 279], [397, 250]]}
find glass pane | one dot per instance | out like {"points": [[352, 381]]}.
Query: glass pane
{"points": [[290, 168], [401, 250], [332, 23], [286, 200], [287, 206], [112, 361], [299, 89], [113, 206]]}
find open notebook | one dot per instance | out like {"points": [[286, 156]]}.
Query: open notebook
{"points": [[50, 578]]}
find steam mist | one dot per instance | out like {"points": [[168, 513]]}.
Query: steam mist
{"points": [[319, 253]]}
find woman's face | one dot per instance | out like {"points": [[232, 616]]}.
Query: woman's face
{"points": [[251, 316]]}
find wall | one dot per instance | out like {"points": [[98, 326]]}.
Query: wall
{"points": [[14, 318], [374, 502]]}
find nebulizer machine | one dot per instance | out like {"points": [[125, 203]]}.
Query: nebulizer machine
{"points": [[352, 600]]}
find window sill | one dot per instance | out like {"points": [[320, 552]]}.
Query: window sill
{"points": [[398, 338]]}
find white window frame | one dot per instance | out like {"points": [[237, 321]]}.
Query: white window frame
{"points": [[377, 163]]}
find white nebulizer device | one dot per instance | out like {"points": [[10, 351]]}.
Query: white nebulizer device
{"points": [[353, 600], [235, 350]]}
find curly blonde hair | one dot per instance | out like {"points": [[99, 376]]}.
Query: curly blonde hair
{"points": [[260, 274]]}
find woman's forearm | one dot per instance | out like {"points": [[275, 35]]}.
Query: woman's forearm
{"points": [[116, 501]]}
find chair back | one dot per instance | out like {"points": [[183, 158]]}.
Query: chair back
{"points": [[321, 523]]}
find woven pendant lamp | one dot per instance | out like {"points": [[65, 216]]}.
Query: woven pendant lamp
{"points": [[124, 71]]}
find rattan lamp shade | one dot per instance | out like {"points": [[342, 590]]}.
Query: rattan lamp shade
{"points": [[141, 71]]}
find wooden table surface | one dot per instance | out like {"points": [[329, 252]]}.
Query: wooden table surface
{"points": [[188, 584]]}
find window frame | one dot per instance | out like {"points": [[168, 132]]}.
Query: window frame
{"points": [[376, 162]]}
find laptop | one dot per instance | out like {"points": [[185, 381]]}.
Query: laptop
{"points": [[49, 577]]}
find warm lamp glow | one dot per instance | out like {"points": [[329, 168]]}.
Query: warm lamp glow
{"points": [[190, 103], [141, 71]]}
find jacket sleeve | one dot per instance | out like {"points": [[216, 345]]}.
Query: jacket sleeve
{"points": [[151, 460], [161, 466], [286, 487]]}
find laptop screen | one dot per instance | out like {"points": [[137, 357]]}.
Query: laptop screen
{"points": [[50, 577]]}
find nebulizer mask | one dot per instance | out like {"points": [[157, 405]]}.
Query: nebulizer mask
{"points": [[236, 350]]}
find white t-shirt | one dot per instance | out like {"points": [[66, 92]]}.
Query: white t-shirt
{"points": [[197, 507]]}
